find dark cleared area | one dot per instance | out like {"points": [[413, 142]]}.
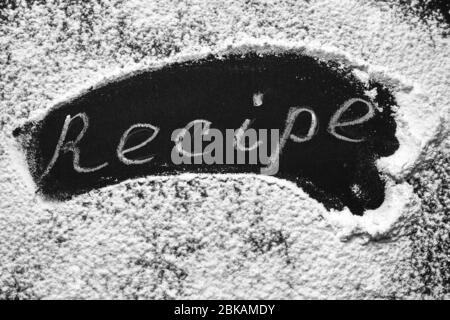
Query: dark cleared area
{"points": [[221, 91]]}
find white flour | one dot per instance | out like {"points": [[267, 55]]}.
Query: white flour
{"points": [[265, 238]]}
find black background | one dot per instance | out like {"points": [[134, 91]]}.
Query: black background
{"points": [[221, 91]]}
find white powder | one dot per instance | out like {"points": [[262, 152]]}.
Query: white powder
{"points": [[252, 236]]}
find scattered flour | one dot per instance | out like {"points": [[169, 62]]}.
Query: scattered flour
{"points": [[252, 236]]}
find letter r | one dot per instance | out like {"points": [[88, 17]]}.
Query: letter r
{"points": [[71, 146]]}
